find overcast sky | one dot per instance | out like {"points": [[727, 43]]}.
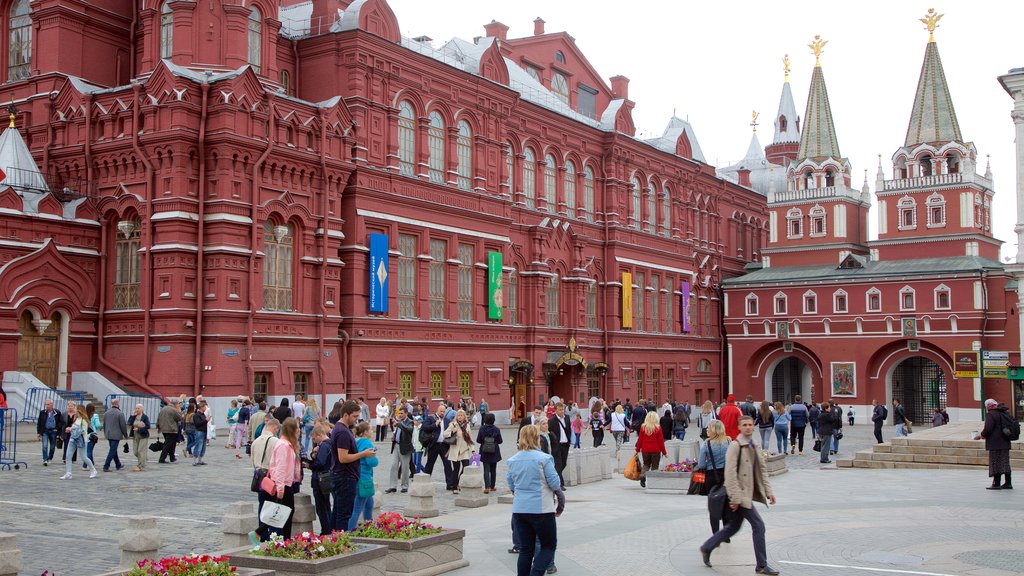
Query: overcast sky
{"points": [[715, 62]]}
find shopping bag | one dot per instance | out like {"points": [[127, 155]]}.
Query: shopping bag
{"points": [[211, 431], [274, 514], [157, 446], [632, 471], [817, 445]]}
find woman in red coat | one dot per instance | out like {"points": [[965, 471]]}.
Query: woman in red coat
{"points": [[650, 443]]}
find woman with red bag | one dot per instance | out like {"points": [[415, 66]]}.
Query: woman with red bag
{"points": [[285, 470], [650, 443]]}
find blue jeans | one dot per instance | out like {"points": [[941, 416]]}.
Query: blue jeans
{"points": [[308, 429], [363, 506], [680, 434], [576, 440], [835, 443], [190, 442], [417, 461], [782, 438], [112, 455], [344, 493], [49, 444], [535, 559], [88, 452], [766, 434], [901, 430], [197, 440]]}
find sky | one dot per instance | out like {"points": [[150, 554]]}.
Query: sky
{"points": [[714, 62]]}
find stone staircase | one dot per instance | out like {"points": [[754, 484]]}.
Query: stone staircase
{"points": [[98, 403], [948, 447]]}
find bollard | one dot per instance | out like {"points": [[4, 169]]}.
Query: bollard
{"points": [[378, 498], [10, 556], [471, 488], [304, 514], [239, 519], [139, 541], [421, 498]]}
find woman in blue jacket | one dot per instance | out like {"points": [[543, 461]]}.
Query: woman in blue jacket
{"points": [[533, 480], [712, 461], [363, 504]]}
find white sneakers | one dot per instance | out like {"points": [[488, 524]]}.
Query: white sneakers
{"points": [[94, 473], [66, 476]]}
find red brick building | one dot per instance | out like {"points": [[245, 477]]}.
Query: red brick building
{"points": [[198, 189], [830, 313]]}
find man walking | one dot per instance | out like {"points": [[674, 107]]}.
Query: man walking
{"points": [[798, 423], [115, 428], [877, 418], [561, 439], [899, 418], [167, 424], [730, 415], [50, 423], [748, 407], [746, 482], [433, 426], [345, 475], [400, 463]]}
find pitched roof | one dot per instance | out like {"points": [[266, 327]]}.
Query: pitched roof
{"points": [[787, 108], [667, 141], [762, 172], [933, 118], [17, 162], [818, 139], [870, 269]]}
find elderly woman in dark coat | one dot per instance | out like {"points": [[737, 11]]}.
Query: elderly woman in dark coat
{"points": [[997, 444]]}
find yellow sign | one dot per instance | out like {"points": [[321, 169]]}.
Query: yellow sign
{"points": [[965, 364], [627, 300]]}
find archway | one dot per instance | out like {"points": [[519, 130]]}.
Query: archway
{"points": [[920, 385], [39, 346], [788, 377]]}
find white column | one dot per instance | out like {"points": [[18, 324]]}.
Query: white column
{"points": [[1013, 83]]}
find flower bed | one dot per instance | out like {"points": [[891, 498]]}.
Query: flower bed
{"points": [[191, 565], [414, 548], [335, 555], [686, 465]]}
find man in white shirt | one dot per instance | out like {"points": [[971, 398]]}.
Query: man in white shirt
{"points": [[299, 409]]}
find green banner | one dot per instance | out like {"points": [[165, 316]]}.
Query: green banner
{"points": [[495, 287]]}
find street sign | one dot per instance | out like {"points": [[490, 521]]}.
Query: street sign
{"points": [[994, 372], [994, 355], [966, 364], [1015, 372]]}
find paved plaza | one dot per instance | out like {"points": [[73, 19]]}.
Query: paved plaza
{"points": [[827, 522]]}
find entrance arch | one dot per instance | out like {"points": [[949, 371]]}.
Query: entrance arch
{"points": [[919, 383], [787, 377], [39, 346]]}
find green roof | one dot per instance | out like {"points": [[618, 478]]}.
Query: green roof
{"points": [[818, 140], [866, 271], [933, 119]]}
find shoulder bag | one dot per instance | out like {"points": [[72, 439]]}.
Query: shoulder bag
{"points": [[365, 487], [258, 474], [718, 497]]}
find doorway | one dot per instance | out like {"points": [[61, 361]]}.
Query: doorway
{"points": [[920, 385], [39, 347], [789, 377]]}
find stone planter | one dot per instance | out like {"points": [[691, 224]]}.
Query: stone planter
{"points": [[668, 482], [238, 572], [424, 556], [776, 464], [364, 560]]}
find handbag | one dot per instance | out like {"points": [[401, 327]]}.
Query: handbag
{"points": [[125, 449], [632, 471], [698, 476], [157, 446], [365, 487], [325, 482], [452, 440], [838, 435], [258, 474], [817, 445], [59, 443], [274, 514], [267, 485]]}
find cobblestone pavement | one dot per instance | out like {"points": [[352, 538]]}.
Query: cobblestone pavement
{"points": [[904, 520]]}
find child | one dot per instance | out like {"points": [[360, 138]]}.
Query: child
{"points": [[577, 430], [417, 446]]}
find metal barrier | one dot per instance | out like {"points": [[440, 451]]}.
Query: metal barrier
{"points": [[36, 399], [9, 440], [151, 403]]}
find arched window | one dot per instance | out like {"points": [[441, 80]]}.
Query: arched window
{"points": [[810, 302], [559, 57], [666, 211], [278, 242], [808, 180], [592, 305], [936, 207], [560, 87], [435, 144], [255, 38], [782, 123], [635, 195], [529, 177], [166, 30], [926, 165], [509, 166], [552, 313], [406, 138], [952, 163], [549, 182], [751, 305], [464, 145], [942, 297], [817, 216], [703, 366], [874, 300], [907, 208], [19, 64], [286, 81], [512, 293], [569, 187], [794, 221], [588, 194], [830, 178], [127, 264], [652, 208], [907, 299], [839, 304]]}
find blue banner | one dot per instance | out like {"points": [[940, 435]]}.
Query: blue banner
{"points": [[379, 273]]}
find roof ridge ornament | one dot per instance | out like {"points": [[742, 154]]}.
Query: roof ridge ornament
{"points": [[931, 22], [785, 67], [12, 111], [818, 46], [753, 120]]}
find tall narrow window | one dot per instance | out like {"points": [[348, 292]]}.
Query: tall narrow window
{"points": [[406, 138], [19, 64], [588, 194], [260, 385], [638, 302], [166, 30], [286, 82], [569, 187], [666, 211], [464, 145], [438, 282], [301, 381], [255, 39], [465, 282], [635, 194], [549, 182], [126, 276], [406, 276], [405, 384], [553, 315], [278, 241], [465, 384], [560, 87], [670, 298], [510, 167], [529, 177], [592, 306], [437, 385], [655, 304], [512, 294], [652, 208], [435, 144]]}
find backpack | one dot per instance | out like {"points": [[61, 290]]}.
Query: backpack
{"points": [[490, 445], [1011, 428], [885, 412]]}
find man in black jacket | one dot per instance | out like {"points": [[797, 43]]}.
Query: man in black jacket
{"points": [[535, 418], [877, 418], [50, 423], [433, 426], [400, 464], [561, 439], [837, 413]]}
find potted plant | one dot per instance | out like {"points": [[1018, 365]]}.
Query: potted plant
{"points": [[674, 477], [413, 547], [335, 555]]}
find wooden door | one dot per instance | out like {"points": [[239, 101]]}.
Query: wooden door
{"points": [[39, 353]]}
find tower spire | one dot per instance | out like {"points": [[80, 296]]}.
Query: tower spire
{"points": [[818, 139], [933, 118]]}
